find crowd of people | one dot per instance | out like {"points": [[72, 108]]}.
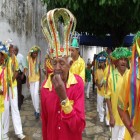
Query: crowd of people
{"points": [[116, 76]]}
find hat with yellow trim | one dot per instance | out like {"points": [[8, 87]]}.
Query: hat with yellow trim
{"points": [[58, 26], [35, 48]]}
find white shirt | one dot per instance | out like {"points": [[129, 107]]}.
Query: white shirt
{"points": [[21, 61]]}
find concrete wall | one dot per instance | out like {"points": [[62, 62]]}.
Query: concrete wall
{"points": [[87, 52], [20, 21]]}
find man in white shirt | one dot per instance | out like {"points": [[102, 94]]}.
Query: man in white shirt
{"points": [[21, 76]]}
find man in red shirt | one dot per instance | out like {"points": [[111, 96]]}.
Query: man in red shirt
{"points": [[62, 94]]}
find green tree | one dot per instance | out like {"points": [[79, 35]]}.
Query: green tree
{"points": [[99, 17]]}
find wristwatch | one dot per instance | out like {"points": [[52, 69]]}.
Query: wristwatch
{"points": [[63, 102]]}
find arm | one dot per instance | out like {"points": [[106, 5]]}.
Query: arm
{"points": [[82, 71], [24, 66], [27, 77], [85, 75], [112, 120], [14, 76], [127, 122], [39, 76], [27, 72], [76, 118], [16, 70], [1, 92], [96, 80], [109, 104], [124, 113]]}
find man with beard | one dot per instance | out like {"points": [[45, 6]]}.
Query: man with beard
{"points": [[129, 101], [115, 79], [62, 94]]}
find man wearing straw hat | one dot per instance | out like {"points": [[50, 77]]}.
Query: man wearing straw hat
{"points": [[33, 72], [62, 94]]}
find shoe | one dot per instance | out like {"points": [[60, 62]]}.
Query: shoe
{"points": [[21, 136], [107, 123], [101, 120], [5, 137], [37, 115]]}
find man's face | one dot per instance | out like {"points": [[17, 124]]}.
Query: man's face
{"points": [[16, 51], [2, 58], [102, 64], [122, 64], [61, 66], [74, 52], [34, 54], [11, 50]]}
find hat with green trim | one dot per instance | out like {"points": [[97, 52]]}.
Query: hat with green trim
{"points": [[75, 40], [101, 57], [35, 48], [75, 43], [120, 52]]}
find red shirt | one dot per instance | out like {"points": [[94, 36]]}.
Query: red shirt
{"points": [[56, 125]]}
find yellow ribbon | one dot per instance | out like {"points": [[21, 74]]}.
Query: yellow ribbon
{"points": [[138, 48], [1, 103]]}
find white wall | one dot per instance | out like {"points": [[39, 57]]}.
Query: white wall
{"points": [[21, 21], [89, 51]]}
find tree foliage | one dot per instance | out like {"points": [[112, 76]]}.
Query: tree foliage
{"points": [[100, 17]]}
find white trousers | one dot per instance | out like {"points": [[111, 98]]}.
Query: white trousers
{"points": [[87, 89], [1, 126], [100, 109], [34, 90], [118, 132], [13, 101], [106, 110]]}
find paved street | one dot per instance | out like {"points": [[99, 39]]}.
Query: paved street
{"points": [[32, 128]]}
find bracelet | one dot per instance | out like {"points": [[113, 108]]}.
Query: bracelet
{"points": [[63, 102]]}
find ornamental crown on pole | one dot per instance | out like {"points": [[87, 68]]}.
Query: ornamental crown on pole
{"points": [[58, 26]]}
